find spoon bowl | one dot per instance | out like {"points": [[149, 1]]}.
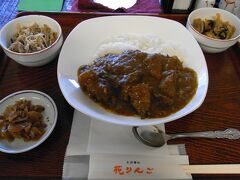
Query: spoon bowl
{"points": [[150, 135]]}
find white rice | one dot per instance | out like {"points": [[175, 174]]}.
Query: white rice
{"points": [[146, 43]]}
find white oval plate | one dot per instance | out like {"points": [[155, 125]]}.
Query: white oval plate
{"points": [[37, 98], [86, 37]]}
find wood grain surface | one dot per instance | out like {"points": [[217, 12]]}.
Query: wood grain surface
{"points": [[220, 110]]}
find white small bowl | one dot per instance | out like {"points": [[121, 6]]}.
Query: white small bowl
{"points": [[211, 45], [37, 98], [34, 59]]}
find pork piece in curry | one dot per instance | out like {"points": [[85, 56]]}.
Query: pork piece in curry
{"points": [[138, 83]]}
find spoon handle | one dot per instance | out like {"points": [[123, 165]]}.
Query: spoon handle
{"points": [[228, 134]]}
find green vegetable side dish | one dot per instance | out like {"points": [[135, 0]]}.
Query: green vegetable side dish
{"points": [[214, 28]]}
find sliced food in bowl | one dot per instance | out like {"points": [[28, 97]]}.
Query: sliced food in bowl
{"points": [[32, 38], [22, 120], [27, 118]]}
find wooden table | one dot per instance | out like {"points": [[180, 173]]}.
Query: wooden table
{"points": [[220, 110]]}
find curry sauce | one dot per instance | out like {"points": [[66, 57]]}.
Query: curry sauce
{"points": [[138, 83]]}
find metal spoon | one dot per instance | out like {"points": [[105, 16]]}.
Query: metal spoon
{"points": [[153, 136]]}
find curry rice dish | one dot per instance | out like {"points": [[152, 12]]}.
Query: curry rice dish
{"points": [[138, 83]]}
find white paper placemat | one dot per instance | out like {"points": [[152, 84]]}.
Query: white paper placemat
{"points": [[110, 138], [114, 143], [78, 141]]}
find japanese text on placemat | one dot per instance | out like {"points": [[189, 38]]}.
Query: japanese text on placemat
{"points": [[132, 168]]}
